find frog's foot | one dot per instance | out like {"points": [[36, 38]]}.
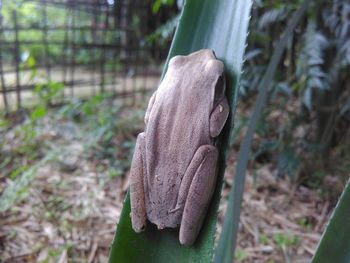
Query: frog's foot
{"points": [[199, 193], [160, 226], [174, 210], [137, 196]]}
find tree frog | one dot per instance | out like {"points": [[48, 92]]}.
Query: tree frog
{"points": [[173, 170]]}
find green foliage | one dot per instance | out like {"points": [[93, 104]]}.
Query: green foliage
{"points": [[49, 91], [240, 255], [335, 242], [53, 254], [287, 162], [100, 129], [311, 59], [228, 239], [163, 33], [38, 113], [106, 136], [158, 3], [304, 222], [27, 136], [3, 123], [284, 240], [263, 239], [21, 183], [216, 32], [272, 16], [314, 70], [28, 61], [29, 15]]}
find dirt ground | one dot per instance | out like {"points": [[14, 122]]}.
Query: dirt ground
{"points": [[69, 209], [280, 221]]}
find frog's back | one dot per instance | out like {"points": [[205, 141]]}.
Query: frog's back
{"points": [[178, 125]]}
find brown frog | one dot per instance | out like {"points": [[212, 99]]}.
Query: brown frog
{"points": [[173, 171]]}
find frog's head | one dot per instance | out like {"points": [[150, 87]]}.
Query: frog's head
{"points": [[201, 67]]}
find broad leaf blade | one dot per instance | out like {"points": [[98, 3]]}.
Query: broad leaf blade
{"points": [[222, 26], [335, 242]]}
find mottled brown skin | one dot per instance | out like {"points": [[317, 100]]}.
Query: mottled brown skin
{"points": [[173, 171]]}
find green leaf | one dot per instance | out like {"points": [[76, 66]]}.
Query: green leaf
{"points": [[221, 26], [55, 86], [156, 5], [31, 61], [335, 243], [227, 242], [38, 113]]}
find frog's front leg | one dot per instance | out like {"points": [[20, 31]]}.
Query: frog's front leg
{"points": [[137, 192], [196, 191]]}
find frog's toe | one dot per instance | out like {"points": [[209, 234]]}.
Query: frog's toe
{"points": [[177, 208], [140, 228], [160, 226]]}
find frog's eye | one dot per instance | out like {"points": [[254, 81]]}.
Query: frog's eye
{"points": [[214, 67], [219, 91]]}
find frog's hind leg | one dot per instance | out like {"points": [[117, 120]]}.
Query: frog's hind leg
{"points": [[200, 179], [137, 192]]}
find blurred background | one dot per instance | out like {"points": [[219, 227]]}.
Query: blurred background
{"points": [[75, 79]]}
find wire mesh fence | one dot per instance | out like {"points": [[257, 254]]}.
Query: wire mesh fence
{"points": [[86, 46]]}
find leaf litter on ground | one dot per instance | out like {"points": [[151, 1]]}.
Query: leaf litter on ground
{"points": [[69, 209]]}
